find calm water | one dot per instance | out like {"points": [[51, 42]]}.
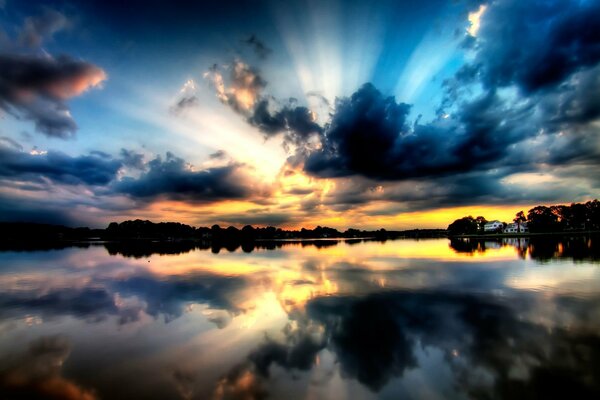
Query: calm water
{"points": [[323, 320]]}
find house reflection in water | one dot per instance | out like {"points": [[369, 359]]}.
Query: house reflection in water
{"points": [[535, 247]]}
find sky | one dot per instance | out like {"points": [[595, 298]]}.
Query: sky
{"points": [[364, 114]]}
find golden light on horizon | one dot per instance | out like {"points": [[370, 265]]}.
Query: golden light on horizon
{"points": [[230, 212]]}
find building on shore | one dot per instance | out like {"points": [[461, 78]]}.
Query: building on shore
{"points": [[516, 228], [493, 226]]}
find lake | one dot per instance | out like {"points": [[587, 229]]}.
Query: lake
{"points": [[359, 319]]}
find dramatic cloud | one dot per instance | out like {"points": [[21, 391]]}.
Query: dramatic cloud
{"points": [[516, 98], [537, 44], [243, 92], [297, 123], [364, 128], [575, 103], [36, 87], [369, 135], [56, 166], [524, 104], [493, 187], [112, 184], [240, 89], [173, 178]]}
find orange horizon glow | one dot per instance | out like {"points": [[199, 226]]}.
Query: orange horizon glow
{"points": [[223, 213]]}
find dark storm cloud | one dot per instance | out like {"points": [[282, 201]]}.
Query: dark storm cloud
{"points": [[173, 178], [477, 187], [36, 87], [548, 52], [575, 103], [363, 130], [37, 29], [537, 44], [369, 135], [257, 45], [297, 123], [58, 167]]}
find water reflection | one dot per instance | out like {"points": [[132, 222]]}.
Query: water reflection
{"points": [[142, 248], [485, 344], [400, 319], [36, 373], [541, 248]]}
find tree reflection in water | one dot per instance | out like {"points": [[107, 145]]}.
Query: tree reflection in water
{"points": [[543, 248], [333, 319]]}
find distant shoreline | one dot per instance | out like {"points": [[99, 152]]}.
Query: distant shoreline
{"points": [[169, 231], [523, 235]]}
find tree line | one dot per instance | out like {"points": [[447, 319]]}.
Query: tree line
{"points": [[173, 230], [27, 233], [558, 218]]}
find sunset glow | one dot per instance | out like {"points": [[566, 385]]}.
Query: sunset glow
{"points": [[389, 115]]}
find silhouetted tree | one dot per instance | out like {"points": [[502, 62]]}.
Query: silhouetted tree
{"points": [[519, 219], [577, 215], [463, 226], [592, 221], [481, 221], [542, 219]]}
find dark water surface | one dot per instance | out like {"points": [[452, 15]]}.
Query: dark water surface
{"points": [[428, 319]]}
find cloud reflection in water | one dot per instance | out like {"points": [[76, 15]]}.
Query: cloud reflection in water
{"points": [[367, 320]]}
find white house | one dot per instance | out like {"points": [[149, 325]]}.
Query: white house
{"points": [[493, 226], [516, 228]]}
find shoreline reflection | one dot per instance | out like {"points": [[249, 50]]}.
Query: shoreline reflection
{"points": [[577, 248], [399, 319]]}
